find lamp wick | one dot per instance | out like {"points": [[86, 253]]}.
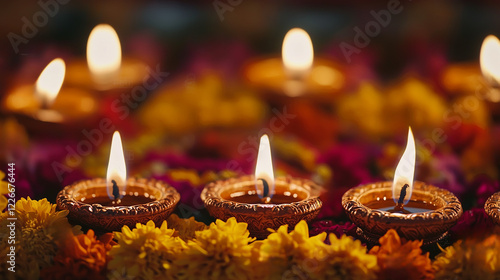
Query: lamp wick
{"points": [[265, 192], [402, 194], [116, 191]]}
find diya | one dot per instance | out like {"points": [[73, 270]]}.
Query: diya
{"points": [[416, 210], [262, 201], [297, 73], [47, 105], [106, 205], [492, 207], [105, 70]]}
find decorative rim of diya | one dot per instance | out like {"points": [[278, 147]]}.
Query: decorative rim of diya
{"points": [[113, 218], [260, 217], [429, 226], [492, 207]]}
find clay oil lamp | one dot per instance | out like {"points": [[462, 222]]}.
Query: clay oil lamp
{"points": [[262, 201], [47, 106], [297, 72], [105, 71], [108, 204], [416, 210], [492, 207]]}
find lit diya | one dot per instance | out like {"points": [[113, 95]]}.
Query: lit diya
{"points": [[262, 201], [492, 207], [108, 204], [47, 104], [105, 69], [297, 73], [417, 211]]}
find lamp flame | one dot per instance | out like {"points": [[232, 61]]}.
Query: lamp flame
{"points": [[50, 81], [405, 170], [297, 53], [104, 53], [264, 169], [117, 171], [489, 60]]}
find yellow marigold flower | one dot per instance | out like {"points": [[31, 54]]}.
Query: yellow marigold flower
{"points": [[470, 259], [186, 228], [80, 257], [401, 260], [289, 255], [220, 252], [3, 190], [37, 229], [345, 258], [145, 252]]}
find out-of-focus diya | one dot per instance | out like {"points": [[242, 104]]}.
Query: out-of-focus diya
{"points": [[417, 211], [47, 105], [109, 204], [297, 73], [105, 69], [492, 207], [262, 201]]}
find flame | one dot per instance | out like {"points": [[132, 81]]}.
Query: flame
{"points": [[104, 53], [116, 167], [405, 170], [50, 81], [490, 60], [264, 168], [297, 53]]}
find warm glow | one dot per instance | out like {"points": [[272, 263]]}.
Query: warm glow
{"points": [[297, 53], [116, 167], [104, 53], [490, 60], [264, 167], [50, 81], [405, 170]]}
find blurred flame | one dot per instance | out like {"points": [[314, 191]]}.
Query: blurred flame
{"points": [[264, 167], [116, 167], [104, 53], [297, 53], [50, 81], [489, 60], [405, 170]]}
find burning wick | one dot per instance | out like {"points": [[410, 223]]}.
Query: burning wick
{"points": [[116, 192], [399, 208], [265, 194]]}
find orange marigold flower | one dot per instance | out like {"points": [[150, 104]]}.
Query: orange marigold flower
{"points": [[401, 260], [83, 256]]}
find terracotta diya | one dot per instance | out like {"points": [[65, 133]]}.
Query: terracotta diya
{"points": [[46, 106], [108, 204], [492, 207], [262, 201], [417, 211]]}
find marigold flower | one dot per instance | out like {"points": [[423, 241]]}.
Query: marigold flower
{"points": [[80, 257], [37, 229], [186, 228], [470, 259], [401, 260], [220, 252], [3, 190], [145, 252], [290, 255]]}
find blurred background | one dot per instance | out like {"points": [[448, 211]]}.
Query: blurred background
{"points": [[206, 103]]}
